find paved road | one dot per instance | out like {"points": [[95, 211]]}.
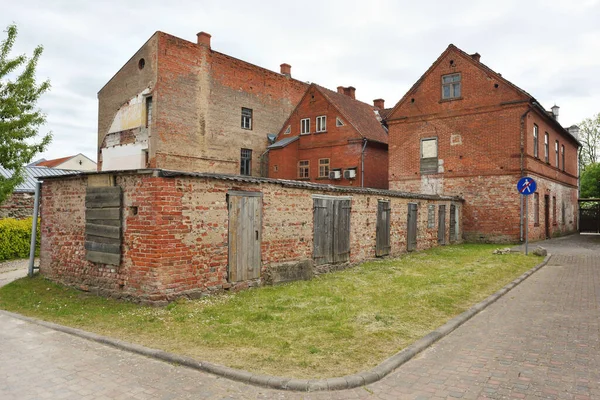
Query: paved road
{"points": [[15, 269], [541, 341]]}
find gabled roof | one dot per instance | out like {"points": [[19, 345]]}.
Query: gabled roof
{"points": [[526, 96], [30, 175], [283, 142], [361, 116], [58, 161]]}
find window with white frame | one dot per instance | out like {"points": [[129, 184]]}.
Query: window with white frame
{"points": [[536, 142], [323, 167], [288, 130], [305, 126], [303, 168], [451, 86], [562, 149], [429, 156], [556, 153], [546, 148], [338, 122], [246, 118], [321, 123]]}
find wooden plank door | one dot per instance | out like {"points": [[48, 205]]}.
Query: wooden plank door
{"points": [[322, 231], [452, 223], [382, 246], [341, 231], [245, 234], [411, 227], [442, 224]]}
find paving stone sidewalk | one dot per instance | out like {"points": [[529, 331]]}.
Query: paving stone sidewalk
{"points": [[540, 341]]}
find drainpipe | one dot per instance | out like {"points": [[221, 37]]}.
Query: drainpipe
{"points": [[523, 130], [362, 164], [36, 204]]}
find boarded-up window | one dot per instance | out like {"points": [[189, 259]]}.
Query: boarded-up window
{"points": [[331, 236], [429, 156], [383, 247], [103, 225]]}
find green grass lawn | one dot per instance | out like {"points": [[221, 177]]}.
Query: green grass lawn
{"points": [[336, 324]]}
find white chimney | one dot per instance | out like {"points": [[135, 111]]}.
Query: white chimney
{"points": [[574, 131], [555, 111]]}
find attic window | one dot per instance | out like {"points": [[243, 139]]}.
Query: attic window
{"points": [[451, 86], [338, 122], [141, 63], [288, 130]]}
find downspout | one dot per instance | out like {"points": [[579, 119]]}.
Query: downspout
{"points": [[522, 166], [362, 164]]}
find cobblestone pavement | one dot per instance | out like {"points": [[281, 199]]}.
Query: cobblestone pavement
{"points": [[540, 341]]}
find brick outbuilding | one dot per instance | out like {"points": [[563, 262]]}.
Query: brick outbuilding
{"points": [[465, 130]]}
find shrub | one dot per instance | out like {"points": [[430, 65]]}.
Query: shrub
{"points": [[15, 237]]}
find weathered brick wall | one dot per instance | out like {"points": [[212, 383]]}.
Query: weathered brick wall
{"points": [[479, 138], [18, 205], [175, 239]]}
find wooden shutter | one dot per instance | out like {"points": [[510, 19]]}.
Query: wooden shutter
{"points": [[382, 247], [103, 225]]}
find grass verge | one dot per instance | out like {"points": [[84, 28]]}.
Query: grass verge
{"points": [[336, 324]]}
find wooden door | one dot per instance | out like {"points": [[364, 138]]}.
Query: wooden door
{"points": [[245, 222], [382, 246], [453, 229], [331, 232], [442, 224], [411, 227]]}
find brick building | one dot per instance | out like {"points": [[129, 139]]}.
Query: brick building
{"points": [[331, 137], [463, 129], [183, 106]]}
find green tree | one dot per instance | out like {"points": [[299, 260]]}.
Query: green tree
{"points": [[589, 136], [20, 118], [590, 181]]}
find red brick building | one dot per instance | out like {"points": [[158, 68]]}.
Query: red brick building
{"points": [[331, 137], [463, 129], [181, 105]]}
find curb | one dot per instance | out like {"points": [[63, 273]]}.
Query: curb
{"points": [[303, 385]]}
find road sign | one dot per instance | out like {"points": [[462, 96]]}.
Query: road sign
{"points": [[526, 186]]}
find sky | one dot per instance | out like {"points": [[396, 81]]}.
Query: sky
{"points": [[549, 48]]}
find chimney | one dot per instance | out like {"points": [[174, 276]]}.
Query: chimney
{"points": [[349, 91], [476, 56], [340, 89], [379, 103], [286, 69], [203, 39], [574, 131], [555, 111]]}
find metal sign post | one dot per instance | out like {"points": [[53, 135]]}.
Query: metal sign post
{"points": [[526, 186]]}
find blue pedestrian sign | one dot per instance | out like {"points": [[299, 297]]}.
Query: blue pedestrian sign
{"points": [[526, 186]]}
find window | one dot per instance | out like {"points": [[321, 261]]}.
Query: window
{"points": [[556, 153], [562, 150], [303, 169], [553, 210], [339, 122], [324, 168], [288, 130], [536, 209], [431, 216], [536, 142], [546, 148], [563, 212], [451, 86], [305, 126], [322, 123], [246, 118], [246, 162], [148, 111], [429, 156]]}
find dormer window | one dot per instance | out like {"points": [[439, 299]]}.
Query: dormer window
{"points": [[451, 86]]}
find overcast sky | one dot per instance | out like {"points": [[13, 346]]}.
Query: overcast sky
{"points": [[549, 48]]}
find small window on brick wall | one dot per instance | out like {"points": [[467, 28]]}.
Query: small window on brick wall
{"points": [[536, 209], [303, 168], [321, 123], [324, 168], [536, 142], [305, 126], [148, 111], [246, 118], [246, 162], [451, 86]]}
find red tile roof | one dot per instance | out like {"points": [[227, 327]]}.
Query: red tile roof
{"points": [[53, 163], [363, 116]]}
